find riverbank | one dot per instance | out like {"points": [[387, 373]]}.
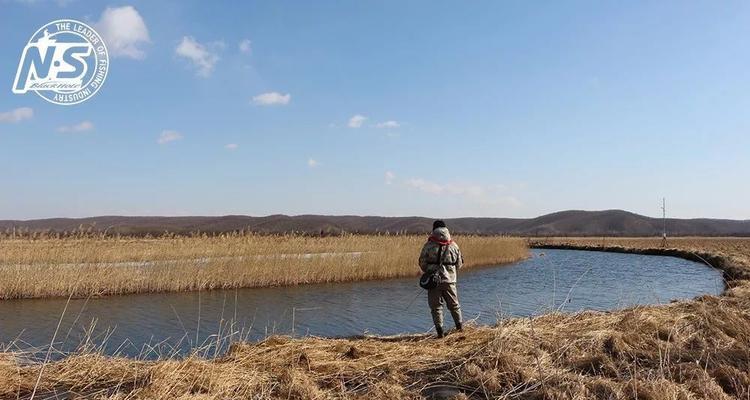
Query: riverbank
{"points": [[731, 255], [100, 265], [698, 349]]}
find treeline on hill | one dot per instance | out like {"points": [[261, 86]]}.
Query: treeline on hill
{"points": [[565, 223]]}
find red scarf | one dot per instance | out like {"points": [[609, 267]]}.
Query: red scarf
{"points": [[439, 241]]}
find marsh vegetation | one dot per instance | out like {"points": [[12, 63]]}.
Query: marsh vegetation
{"points": [[100, 265]]}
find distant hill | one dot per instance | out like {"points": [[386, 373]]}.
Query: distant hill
{"points": [[564, 223]]}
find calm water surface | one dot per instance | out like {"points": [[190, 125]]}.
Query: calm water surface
{"points": [[551, 279]]}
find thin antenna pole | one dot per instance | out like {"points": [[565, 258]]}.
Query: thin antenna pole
{"points": [[664, 214], [664, 222]]}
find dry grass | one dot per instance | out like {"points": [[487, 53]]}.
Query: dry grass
{"points": [[99, 265], [687, 350]]}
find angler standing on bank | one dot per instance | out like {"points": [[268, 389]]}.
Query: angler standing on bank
{"points": [[439, 261]]}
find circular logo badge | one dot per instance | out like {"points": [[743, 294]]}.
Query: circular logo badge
{"points": [[65, 62]]}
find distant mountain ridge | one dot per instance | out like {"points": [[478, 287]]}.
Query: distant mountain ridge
{"points": [[563, 223]]}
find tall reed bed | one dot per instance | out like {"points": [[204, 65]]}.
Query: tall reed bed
{"points": [[100, 265]]}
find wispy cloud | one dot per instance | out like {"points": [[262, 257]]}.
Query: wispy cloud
{"points": [[426, 186], [356, 121], [272, 99], [169, 136], [484, 194], [124, 31], [232, 146], [16, 115], [449, 188], [203, 57], [84, 126], [312, 163], [245, 46], [389, 177], [388, 125]]}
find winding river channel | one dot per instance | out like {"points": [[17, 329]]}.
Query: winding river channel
{"points": [[158, 325]]}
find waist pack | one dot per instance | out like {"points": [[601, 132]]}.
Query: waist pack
{"points": [[429, 280]]}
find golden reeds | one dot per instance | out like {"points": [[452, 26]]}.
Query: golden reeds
{"points": [[100, 265]]}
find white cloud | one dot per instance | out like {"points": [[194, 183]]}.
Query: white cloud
{"points": [[245, 46], [312, 163], [426, 186], [356, 121], [272, 99], [483, 194], [124, 32], [449, 188], [76, 128], [16, 115], [232, 146], [389, 177], [169, 136], [388, 125], [202, 56]]}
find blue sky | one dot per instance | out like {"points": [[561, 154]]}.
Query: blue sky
{"points": [[439, 109]]}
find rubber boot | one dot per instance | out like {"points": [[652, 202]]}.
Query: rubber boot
{"points": [[440, 333], [459, 326]]}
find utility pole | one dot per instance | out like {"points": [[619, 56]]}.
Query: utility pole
{"points": [[664, 222]]}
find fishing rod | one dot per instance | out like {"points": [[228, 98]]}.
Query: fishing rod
{"points": [[413, 300]]}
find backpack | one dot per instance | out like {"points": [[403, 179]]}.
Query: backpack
{"points": [[430, 280]]}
